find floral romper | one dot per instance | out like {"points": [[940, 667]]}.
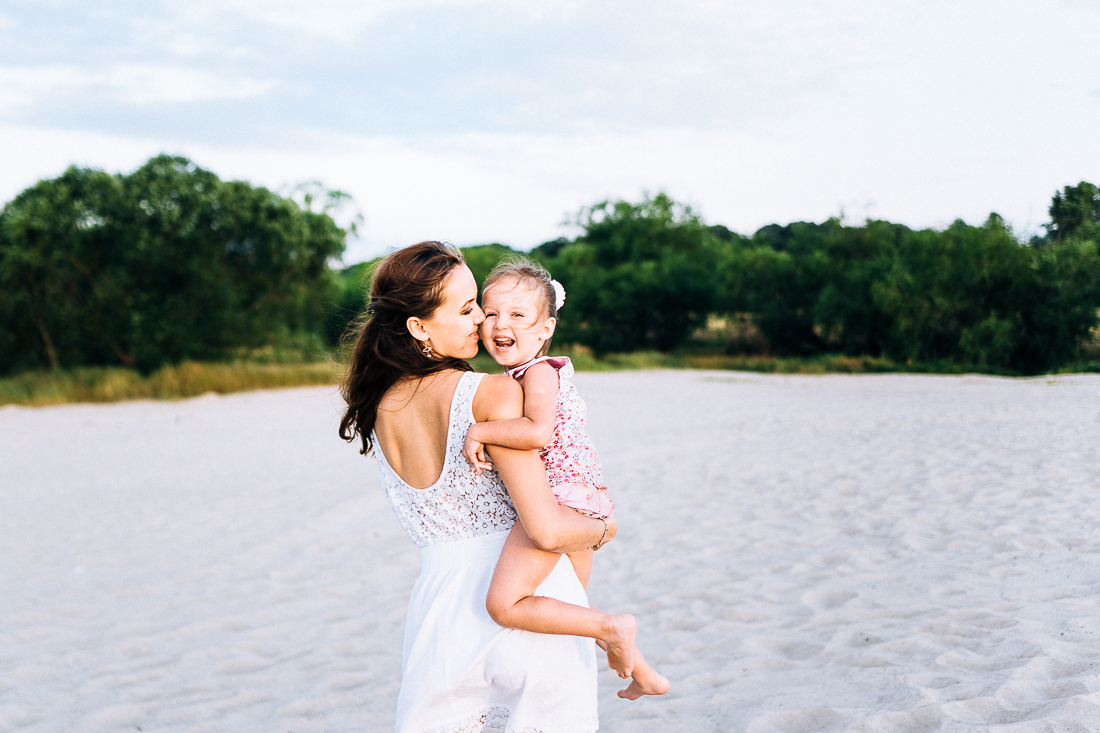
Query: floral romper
{"points": [[572, 464]]}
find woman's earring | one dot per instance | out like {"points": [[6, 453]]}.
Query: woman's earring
{"points": [[427, 350]]}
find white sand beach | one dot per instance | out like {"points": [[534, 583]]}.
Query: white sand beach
{"points": [[839, 553]]}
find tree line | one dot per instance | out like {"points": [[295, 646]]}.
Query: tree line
{"points": [[648, 276], [171, 263], [165, 264]]}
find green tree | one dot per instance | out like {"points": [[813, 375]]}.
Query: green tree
{"points": [[971, 295], [641, 276], [777, 276], [946, 291], [1075, 212], [164, 264], [975, 295], [348, 302], [482, 258], [855, 258]]}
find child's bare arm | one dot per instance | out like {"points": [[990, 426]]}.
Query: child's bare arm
{"points": [[534, 430]]}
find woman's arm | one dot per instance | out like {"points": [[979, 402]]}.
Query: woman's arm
{"points": [[550, 526]]}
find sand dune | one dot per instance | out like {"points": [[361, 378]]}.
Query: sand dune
{"points": [[887, 553]]}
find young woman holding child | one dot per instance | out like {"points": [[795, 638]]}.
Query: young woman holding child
{"points": [[411, 396]]}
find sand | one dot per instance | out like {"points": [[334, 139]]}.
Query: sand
{"points": [[872, 553]]}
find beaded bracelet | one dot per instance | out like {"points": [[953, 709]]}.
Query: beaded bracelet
{"points": [[603, 539]]}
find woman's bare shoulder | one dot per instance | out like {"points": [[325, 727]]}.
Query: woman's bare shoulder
{"points": [[499, 397]]}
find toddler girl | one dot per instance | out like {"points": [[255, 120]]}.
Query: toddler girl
{"points": [[520, 303]]}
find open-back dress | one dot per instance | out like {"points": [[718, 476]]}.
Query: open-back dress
{"points": [[462, 672]]}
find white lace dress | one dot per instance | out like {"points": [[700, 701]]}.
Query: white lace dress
{"points": [[461, 671]]}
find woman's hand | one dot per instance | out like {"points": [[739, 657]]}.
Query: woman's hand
{"points": [[474, 452], [550, 526]]}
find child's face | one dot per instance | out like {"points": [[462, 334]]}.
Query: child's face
{"points": [[514, 329]]}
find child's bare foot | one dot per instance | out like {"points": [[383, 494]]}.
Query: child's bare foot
{"points": [[621, 631], [647, 681]]}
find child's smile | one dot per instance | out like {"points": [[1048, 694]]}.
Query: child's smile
{"points": [[515, 327]]}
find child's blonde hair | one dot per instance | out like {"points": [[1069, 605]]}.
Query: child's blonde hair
{"points": [[527, 271]]}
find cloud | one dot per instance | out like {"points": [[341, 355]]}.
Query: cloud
{"points": [[433, 112], [445, 67], [126, 84]]}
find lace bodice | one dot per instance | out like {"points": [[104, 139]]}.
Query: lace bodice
{"points": [[570, 456], [460, 504]]}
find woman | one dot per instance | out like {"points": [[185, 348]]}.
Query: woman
{"points": [[411, 395]]}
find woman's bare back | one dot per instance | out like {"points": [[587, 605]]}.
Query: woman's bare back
{"points": [[411, 426]]}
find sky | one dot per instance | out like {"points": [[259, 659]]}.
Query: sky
{"points": [[477, 121]]}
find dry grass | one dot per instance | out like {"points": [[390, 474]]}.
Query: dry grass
{"points": [[833, 364], [584, 361], [189, 379]]}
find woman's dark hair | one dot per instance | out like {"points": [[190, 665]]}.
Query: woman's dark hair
{"points": [[407, 283]]}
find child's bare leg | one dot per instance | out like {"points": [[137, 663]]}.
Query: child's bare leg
{"points": [[582, 565], [646, 680], [511, 602]]}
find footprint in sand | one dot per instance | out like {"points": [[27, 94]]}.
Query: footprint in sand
{"points": [[826, 599], [983, 619], [243, 665], [795, 650], [17, 716], [819, 720], [1082, 629], [925, 720], [121, 716], [952, 630], [972, 661], [348, 681], [988, 711], [1023, 694], [862, 639], [861, 661], [1055, 669]]}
